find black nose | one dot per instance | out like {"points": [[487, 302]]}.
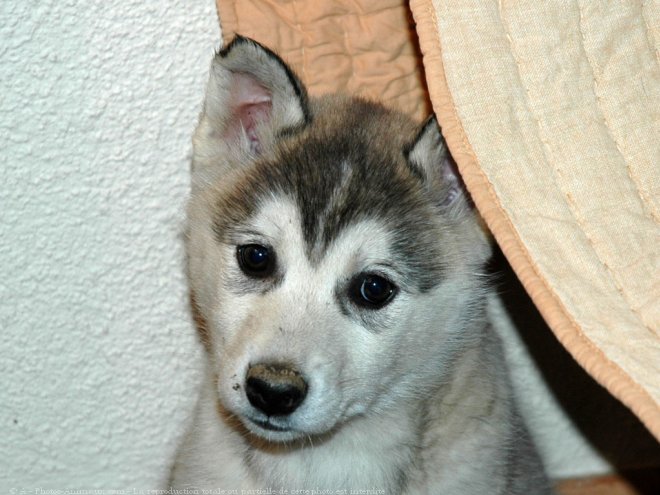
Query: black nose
{"points": [[275, 389]]}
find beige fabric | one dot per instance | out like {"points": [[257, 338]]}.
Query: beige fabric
{"points": [[552, 110]]}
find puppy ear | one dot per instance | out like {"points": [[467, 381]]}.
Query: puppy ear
{"points": [[430, 159], [252, 99]]}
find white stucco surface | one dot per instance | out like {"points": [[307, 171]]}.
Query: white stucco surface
{"points": [[98, 101], [98, 357]]}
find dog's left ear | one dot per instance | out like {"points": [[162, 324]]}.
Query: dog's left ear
{"points": [[252, 99], [430, 159]]}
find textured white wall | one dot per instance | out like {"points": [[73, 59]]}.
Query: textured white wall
{"points": [[98, 100]]}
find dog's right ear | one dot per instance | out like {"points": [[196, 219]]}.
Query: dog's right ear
{"points": [[252, 99]]}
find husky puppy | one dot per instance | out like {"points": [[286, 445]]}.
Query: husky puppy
{"points": [[338, 269]]}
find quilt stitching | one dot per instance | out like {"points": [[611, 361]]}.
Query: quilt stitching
{"points": [[570, 200]]}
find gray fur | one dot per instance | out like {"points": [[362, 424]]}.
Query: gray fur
{"points": [[410, 398]]}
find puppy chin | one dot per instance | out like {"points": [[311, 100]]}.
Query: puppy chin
{"points": [[286, 430], [270, 431]]}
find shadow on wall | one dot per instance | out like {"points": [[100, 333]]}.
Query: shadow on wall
{"points": [[607, 424]]}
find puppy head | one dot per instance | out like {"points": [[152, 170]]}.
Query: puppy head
{"points": [[332, 252]]}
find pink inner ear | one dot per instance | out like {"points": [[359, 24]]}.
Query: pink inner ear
{"points": [[250, 106]]}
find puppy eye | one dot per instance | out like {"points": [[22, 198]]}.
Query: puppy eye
{"points": [[371, 291], [255, 260]]}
